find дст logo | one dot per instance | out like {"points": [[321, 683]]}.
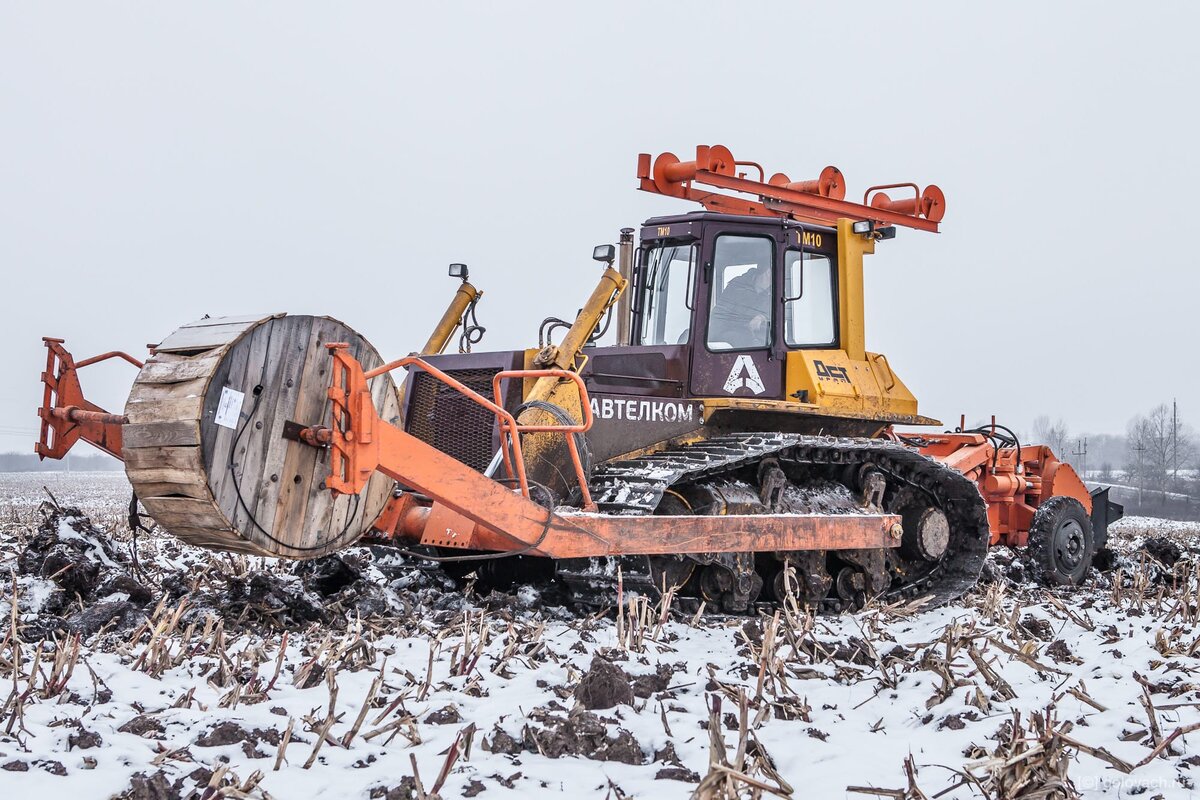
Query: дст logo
{"points": [[831, 373]]}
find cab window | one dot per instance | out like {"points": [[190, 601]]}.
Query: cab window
{"points": [[808, 307], [740, 315], [666, 308]]}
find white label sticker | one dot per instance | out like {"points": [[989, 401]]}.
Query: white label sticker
{"points": [[230, 408]]}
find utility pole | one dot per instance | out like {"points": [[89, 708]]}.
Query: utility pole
{"points": [[1140, 449], [1081, 453], [1174, 444]]}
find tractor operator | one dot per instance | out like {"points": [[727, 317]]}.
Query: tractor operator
{"points": [[741, 314]]}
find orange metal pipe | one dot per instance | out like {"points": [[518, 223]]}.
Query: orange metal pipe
{"points": [[106, 356], [829, 183], [76, 414], [907, 205]]}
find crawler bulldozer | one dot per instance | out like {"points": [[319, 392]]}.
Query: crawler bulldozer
{"points": [[737, 444]]}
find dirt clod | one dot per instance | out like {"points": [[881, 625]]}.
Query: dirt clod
{"points": [[1163, 550], [502, 742], [444, 716], [84, 740], [952, 721], [405, 790], [584, 735], [153, 787], [667, 755], [1059, 651], [223, 733], [604, 686], [142, 725], [71, 570], [677, 774], [1037, 627], [121, 615], [121, 583], [328, 575], [645, 686], [1105, 559]]}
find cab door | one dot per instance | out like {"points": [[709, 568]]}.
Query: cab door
{"points": [[735, 346]]}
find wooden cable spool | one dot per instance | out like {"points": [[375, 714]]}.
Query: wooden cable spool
{"points": [[204, 446]]}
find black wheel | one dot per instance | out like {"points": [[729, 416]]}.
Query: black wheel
{"points": [[1060, 542]]}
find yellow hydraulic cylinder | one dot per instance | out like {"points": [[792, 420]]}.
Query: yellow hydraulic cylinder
{"points": [[546, 456], [451, 320], [447, 325], [564, 356]]}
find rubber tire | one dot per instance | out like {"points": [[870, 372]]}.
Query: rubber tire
{"points": [[1050, 517]]}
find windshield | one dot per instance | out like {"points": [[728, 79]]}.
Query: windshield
{"points": [[666, 308], [742, 288]]}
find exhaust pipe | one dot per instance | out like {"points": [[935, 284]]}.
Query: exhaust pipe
{"points": [[625, 267]]}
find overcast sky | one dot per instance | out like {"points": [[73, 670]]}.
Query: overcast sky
{"points": [[159, 163]]}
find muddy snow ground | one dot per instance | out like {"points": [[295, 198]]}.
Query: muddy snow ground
{"points": [[199, 674]]}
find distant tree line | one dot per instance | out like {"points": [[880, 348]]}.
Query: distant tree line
{"points": [[28, 462], [1155, 464]]}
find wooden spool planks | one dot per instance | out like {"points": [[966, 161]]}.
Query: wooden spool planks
{"points": [[221, 475]]}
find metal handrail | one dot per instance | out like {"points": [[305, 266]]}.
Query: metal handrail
{"points": [[510, 429], [568, 431]]}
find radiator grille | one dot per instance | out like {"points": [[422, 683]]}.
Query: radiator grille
{"points": [[454, 424]]}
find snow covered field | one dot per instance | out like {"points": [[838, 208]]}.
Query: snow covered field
{"points": [[221, 675]]}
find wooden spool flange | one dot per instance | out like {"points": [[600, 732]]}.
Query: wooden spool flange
{"points": [[204, 446]]}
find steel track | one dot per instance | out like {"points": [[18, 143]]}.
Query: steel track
{"points": [[636, 486]]}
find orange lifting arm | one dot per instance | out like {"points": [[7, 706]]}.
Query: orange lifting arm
{"points": [[67, 416], [819, 201]]}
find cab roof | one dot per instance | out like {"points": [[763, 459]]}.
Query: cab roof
{"points": [[740, 219]]}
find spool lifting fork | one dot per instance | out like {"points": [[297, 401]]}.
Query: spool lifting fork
{"points": [[67, 416]]}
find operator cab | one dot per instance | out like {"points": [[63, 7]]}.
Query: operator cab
{"points": [[740, 292]]}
